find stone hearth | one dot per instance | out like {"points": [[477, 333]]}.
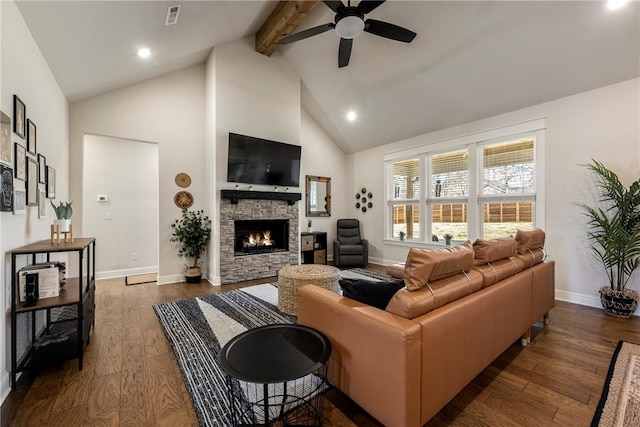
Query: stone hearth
{"points": [[257, 266]]}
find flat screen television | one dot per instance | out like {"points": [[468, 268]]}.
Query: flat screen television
{"points": [[261, 161]]}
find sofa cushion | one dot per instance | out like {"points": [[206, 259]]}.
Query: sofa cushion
{"points": [[533, 239], [423, 266], [376, 294], [395, 270], [351, 249], [493, 250], [411, 304], [493, 272], [532, 257]]}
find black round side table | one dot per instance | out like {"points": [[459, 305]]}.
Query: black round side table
{"points": [[277, 373]]}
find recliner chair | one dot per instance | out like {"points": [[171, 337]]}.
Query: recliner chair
{"points": [[349, 248]]}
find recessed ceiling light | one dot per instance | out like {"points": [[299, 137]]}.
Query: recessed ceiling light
{"points": [[145, 52], [616, 4], [351, 116]]}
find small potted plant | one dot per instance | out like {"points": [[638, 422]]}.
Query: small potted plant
{"points": [[192, 233], [614, 235], [402, 233], [63, 213], [447, 238], [309, 227]]}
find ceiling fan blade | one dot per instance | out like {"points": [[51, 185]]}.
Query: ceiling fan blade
{"points": [[366, 6], [344, 52], [389, 31], [307, 33], [334, 5]]}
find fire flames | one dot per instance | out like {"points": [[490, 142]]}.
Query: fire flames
{"points": [[258, 239]]}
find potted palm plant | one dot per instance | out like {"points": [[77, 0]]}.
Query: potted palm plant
{"points": [[614, 235], [192, 232]]}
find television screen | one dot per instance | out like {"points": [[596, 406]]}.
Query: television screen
{"points": [[260, 161]]}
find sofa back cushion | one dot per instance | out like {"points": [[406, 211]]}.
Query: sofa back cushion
{"points": [[411, 304], [349, 231], [486, 251], [533, 239], [423, 266], [493, 272], [531, 257]]}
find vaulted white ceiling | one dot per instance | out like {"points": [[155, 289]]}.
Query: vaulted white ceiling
{"points": [[470, 60]]}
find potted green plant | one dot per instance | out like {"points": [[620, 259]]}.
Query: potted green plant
{"points": [[192, 232], [614, 235], [447, 238], [309, 226], [402, 233], [63, 211]]}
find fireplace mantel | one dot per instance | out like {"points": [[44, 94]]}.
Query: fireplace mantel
{"points": [[236, 195]]}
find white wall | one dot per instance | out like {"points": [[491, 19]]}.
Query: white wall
{"points": [[25, 73], [322, 157], [126, 172], [167, 110], [603, 124], [252, 95]]}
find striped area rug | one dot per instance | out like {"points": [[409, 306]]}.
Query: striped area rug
{"points": [[198, 328]]}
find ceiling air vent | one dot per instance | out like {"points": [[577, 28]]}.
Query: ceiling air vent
{"points": [[172, 15]]}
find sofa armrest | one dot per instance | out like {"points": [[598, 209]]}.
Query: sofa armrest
{"points": [[375, 356], [365, 251]]}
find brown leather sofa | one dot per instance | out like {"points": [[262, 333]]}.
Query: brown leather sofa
{"points": [[405, 363]]}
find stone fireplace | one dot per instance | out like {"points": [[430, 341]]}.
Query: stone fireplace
{"points": [[245, 252]]}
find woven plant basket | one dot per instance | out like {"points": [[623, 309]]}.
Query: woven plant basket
{"points": [[619, 303]]}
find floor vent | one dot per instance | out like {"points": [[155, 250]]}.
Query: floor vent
{"points": [[172, 15]]}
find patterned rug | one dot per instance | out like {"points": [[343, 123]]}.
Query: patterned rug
{"points": [[620, 401], [198, 328]]}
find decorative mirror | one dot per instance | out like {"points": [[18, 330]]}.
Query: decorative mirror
{"points": [[318, 196]]}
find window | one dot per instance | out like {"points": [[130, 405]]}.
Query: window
{"points": [[486, 185], [405, 199], [507, 187]]}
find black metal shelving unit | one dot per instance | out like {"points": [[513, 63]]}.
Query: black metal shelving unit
{"points": [[57, 327]]}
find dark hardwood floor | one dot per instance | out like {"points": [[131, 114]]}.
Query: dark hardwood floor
{"points": [[131, 377]]}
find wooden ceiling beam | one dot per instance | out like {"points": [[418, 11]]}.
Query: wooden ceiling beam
{"points": [[283, 21]]}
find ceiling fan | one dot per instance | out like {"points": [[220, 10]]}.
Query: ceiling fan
{"points": [[349, 23]]}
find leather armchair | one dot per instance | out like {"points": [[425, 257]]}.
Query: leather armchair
{"points": [[349, 248]]}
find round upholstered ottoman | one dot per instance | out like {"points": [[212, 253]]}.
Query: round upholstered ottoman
{"points": [[291, 277]]}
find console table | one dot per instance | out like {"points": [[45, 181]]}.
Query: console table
{"points": [[283, 373], [61, 324]]}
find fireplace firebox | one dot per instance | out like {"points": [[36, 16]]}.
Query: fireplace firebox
{"points": [[261, 236]]}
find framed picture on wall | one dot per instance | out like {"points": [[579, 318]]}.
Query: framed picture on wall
{"points": [[32, 182], [31, 137], [42, 169], [42, 203], [6, 198], [6, 152], [19, 201], [21, 162], [51, 182], [19, 116]]}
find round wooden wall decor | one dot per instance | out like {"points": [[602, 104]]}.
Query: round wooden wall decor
{"points": [[183, 180], [183, 199]]}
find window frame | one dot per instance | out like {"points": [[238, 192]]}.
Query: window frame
{"points": [[474, 144]]}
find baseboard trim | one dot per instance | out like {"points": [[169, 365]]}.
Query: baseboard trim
{"points": [[582, 299], [126, 272]]}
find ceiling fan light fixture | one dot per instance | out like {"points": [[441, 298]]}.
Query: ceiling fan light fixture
{"points": [[349, 27]]}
